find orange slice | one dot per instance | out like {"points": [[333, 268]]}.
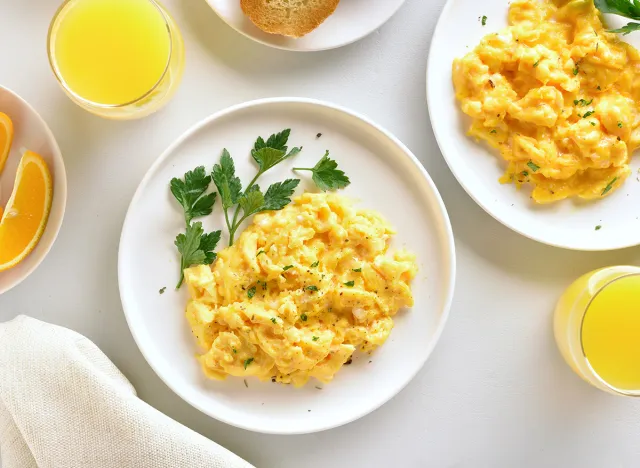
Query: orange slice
{"points": [[27, 211], [6, 138]]}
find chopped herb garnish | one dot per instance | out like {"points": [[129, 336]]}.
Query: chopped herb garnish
{"points": [[599, 88], [303, 317], [315, 264], [525, 173], [251, 292], [587, 114], [593, 123], [575, 71], [534, 167], [162, 290], [288, 267], [260, 253], [247, 362], [582, 102], [598, 227], [316, 338], [357, 270], [484, 21], [609, 186], [273, 320], [619, 124], [494, 131], [311, 288], [536, 64], [350, 283]]}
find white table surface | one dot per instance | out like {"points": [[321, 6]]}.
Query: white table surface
{"points": [[495, 392]]}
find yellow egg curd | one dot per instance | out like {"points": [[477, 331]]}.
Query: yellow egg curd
{"points": [[299, 292], [558, 96]]}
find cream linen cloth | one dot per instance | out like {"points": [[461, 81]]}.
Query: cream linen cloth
{"points": [[64, 404]]}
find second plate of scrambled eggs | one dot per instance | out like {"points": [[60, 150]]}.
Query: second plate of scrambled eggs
{"points": [[534, 106], [319, 313]]}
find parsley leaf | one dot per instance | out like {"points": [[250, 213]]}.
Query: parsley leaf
{"points": [[190, 193], [311, 288], [484, 21], [316, 338], [251, 203], [609, 186], [534, 167], [279, 195], [273, 320], [196, 248], [575, 71], [619, 124], [303, 317], [247, 362], [357, 270], [276, 141], [626, 8], [315, 264], [326, 174], [251, 292], [287, 267], [260, 253], [598, 227], [587, 114], [350, 283], [224, 176]]}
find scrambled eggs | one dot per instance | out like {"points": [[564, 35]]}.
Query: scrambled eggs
{"points": [[299, 292], [558, 96]]}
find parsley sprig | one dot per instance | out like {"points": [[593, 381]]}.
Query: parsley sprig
{"points": [[626, 8], [195, 247], [252, 200], [326, 174]]}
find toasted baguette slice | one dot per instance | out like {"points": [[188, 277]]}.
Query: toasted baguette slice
{"points": [[293, 18]]}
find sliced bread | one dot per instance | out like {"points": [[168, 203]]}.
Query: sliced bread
{"points": [[293, 18]]}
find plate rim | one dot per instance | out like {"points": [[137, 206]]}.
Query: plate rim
{"points": [[453, 167], [59, 192], [293, 49], [447, 230]]}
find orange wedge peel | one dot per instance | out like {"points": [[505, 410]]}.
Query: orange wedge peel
{"points": [[6, 138], [27, 211]]}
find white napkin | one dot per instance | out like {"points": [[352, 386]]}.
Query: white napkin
{"points": [[63, 403]]}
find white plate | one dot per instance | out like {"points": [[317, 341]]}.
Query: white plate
{"points": [[569, 224], [385, 176], [352, 20], [31, 132]]}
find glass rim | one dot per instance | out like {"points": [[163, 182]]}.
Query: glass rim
{"points": [[67, 88], [594, 373]]}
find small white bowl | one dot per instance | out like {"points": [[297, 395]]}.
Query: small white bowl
{"points": [[31, 132]]}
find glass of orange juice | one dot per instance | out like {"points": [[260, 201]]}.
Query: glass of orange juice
{"points": [[120, 59], [597, 328]]}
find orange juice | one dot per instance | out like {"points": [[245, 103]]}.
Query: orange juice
{"points": [[611, 333], [113, 53], [597, 328]]}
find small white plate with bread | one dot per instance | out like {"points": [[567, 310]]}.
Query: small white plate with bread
{"points": [[305, 25]]}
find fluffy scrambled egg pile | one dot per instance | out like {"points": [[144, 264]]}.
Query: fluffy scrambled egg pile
{"points": [[299, 292], [558, 96]]}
